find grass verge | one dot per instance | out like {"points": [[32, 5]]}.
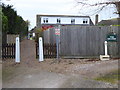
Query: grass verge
{"points": [[112, 77]]}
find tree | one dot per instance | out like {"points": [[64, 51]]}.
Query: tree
{"points": [[18, 25], [21, 27], [100, 5], [117, 4], [28, 23], [4, 23], [0, 28], [13, 23], [11, 15]]}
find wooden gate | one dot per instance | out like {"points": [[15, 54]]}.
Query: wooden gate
{"points": [[8, 51], [49, 50]]}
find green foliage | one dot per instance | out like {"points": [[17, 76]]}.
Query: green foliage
{"points": [[112, 77], [4, 23], [106, 25], [101, 25], [11, 15], [13, 23], [115, 25]]}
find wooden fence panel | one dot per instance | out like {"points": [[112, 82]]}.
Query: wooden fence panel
{"points": [[8, 51], [49, 50], [85, 40], [119, 40]]}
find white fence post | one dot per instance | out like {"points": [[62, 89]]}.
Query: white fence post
{"points": [[40, 49], [17, 54], [106, 51], [106, 56]]}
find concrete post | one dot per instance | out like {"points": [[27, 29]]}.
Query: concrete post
{"points": [[40, 49], [106, 50], [17, 53]]}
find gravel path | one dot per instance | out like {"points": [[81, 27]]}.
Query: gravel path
{"points": [[96, 69], [66, 74]]}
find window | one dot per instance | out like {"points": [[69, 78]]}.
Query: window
{"points": [[72, 21], [58, 20], [85, 21], [45, 20]]}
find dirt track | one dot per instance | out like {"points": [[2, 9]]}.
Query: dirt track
{"points": [[68, 73]]}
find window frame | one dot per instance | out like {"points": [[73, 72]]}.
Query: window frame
{"points": [[45, 20], [85, 21], [72, 21], [58, 20]]}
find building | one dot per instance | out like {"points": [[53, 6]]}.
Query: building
{"points": [[45, 22], [63, 20]]}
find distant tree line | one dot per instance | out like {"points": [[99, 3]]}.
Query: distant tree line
{"points": [[13, 23]]}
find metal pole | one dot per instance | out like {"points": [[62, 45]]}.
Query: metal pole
{"points": [[57, 44], [59, 26], [57, 41]]}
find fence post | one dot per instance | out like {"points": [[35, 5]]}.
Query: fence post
{"points": [[17, 53], [106, 49], [40, 49]]}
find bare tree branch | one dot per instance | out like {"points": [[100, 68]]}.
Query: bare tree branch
{"points": [[101, 5], [97, 3]]}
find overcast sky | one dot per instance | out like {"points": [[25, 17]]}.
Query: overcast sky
{"points": [[28, 9]]}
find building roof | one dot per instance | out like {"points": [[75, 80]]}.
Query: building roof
{"points": [[115, 21], [62, 15]]}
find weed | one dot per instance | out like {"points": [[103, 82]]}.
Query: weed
{"points": [[112, 77]]}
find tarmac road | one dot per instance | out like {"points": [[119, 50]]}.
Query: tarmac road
{"points": [[53, 80]]}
